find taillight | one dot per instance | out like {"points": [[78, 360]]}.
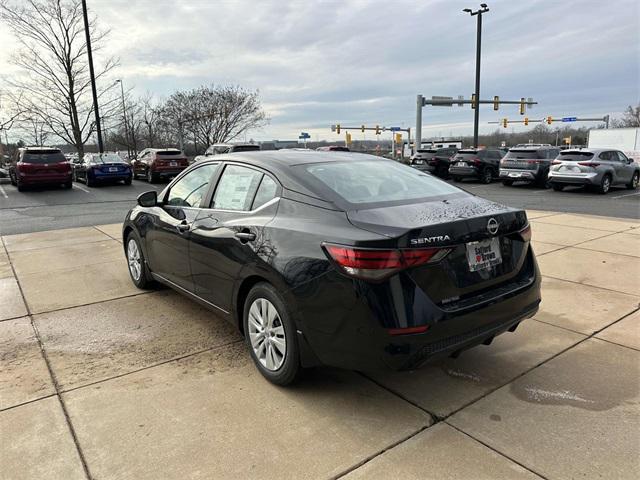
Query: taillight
{"points": [[588, 164], [556, 162], [475, 161], [525, 233], [533, 161], [407, 330], [377, 264]]}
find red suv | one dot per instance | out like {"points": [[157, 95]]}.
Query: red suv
{"points": [[39, 165], [156, 163]]}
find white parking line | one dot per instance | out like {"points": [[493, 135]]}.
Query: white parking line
{"points": [[75, 185], [4, 194], [625, 195]]}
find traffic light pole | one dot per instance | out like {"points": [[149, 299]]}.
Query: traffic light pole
{"points": [[476, 113]]}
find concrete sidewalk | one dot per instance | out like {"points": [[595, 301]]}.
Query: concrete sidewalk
{"points": [[101, 380]]}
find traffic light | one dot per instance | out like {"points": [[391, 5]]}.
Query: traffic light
{"points": [[522, 106], [496, 102], [473, 101], [526, 120], [398, 138], [362, 128], [504, 122], [377, 129], [338, 129], [549, 120]]}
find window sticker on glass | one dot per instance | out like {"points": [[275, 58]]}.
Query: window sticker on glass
{"points": [[236, 188]]}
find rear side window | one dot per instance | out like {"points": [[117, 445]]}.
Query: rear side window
{"points": [[266, 191], [372, 181], [43, 156], [236, 188], [575, 156], [525, 154], [191, 189]]}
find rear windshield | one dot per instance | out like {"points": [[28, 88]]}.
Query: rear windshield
{"points": [[108, 158], [169, 152], [463, 154], [575, 156], [43, 156], [375, 181], [245, 148], [526, 154], [427, 151]]}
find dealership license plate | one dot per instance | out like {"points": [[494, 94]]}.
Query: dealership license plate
{"points": [[515, 174], [570, 168], [174, 164], [113, 169], [484, 254], [462, 164]]}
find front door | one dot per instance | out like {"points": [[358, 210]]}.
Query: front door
{"points": [[168, 239], [229, 235]]}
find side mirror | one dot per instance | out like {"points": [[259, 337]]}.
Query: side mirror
{"points": [[631, 160], [148, 199]]}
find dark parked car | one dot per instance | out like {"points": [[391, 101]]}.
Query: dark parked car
{"points": [[159, 163], [39, 166], [598, 168], [482, 164], [333, 148], [527, 164], [101, 167], [434, 161], [221, 148], [338, 259]]}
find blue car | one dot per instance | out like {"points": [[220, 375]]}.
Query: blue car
{"points": [[101, 167]]}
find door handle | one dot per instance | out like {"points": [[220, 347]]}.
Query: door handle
{"points": [[246, 236], [183, 227]]}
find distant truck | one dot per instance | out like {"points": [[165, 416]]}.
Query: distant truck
{"points": [[625, 139]]}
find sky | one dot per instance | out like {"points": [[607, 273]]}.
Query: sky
{"points": [[318, 63]]}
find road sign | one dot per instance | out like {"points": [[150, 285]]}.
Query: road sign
{"points": [[442, 101], [569, 119], [394, 129], [304, 135]]}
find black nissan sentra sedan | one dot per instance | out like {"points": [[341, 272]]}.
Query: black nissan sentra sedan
{"points": [[338, 259]]}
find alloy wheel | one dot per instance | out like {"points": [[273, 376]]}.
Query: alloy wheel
{"points": [[606, 184], [634, 181], [134, 260], [267, 335]]}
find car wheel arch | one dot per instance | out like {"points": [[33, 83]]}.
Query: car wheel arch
{"points": [[242, 292]]}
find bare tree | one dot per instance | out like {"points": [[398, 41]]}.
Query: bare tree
{"points": [[56, 83], [630, 118]]}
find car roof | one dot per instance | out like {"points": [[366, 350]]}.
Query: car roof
{"points": [[280, 164], [589, 150], [40, 148]]}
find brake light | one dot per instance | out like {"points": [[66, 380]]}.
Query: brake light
{"points": [[533, 161], [475, 161], [556, 162], [525, 233], [377, 264], [588, 164]]}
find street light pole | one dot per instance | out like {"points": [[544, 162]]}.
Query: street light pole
{"points": [[476, 114], [124, 114], [93, 77]]}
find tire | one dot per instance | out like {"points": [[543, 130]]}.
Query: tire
{"points": [[633, 184], [507, 183], [281, 362], [456, 179], [487, 176], [13, 180], [88, 181], [134, 175], [605, 184], [150, 176], [136, 263], [127, 181], [557, 187], [74, 176], [68, 185]]}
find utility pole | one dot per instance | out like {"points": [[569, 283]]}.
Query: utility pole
{"points": [[92, 76], [124, 114], [418, 136], [476, 114]]}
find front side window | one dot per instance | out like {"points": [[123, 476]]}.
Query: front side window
{"points": [[191, 189], [623, 158], [236, 188]]}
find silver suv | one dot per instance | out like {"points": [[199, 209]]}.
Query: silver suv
{"points": [[600, 168]]}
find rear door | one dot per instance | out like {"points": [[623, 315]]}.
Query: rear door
{"points": [[168, 239], [624, 169], [228, 235]]}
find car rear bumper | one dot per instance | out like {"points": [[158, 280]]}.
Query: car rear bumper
{"points": [[575, 178], [48, 179], [109, 176], [348, 333], [167, 172], [424, 168], [516, 174]]}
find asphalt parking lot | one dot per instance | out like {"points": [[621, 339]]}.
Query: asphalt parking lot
{"points": [[101, 380], [54, 208]]}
